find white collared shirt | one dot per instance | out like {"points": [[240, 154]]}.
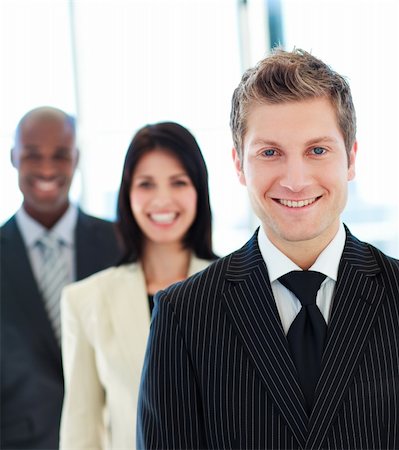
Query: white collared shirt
{"points": [[279, 264], [64, 230]]}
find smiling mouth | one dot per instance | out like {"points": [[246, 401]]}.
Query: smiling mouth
{"points": [[46, 186], [297, 203], [163, 218]]}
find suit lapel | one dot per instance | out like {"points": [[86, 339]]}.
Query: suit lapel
{"points": [[252, 309], [127, 302], [22, 290], [356, 303], [85, 246], [91, 249]]}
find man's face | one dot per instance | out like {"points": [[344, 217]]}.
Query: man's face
{"points": [[45, 157], [296, 169]]}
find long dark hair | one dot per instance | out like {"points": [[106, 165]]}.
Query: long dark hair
{"points": [[182, 144]]}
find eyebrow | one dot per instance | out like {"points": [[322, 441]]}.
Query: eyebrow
{"points": [[182, 174], [177, 175], [62, 149], [316, 140], [264, 142], [321, 139], [31, 147]]}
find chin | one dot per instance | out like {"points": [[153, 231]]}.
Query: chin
{"points": [[159, 239], [51, 207], [295, 235], [323, 233]]}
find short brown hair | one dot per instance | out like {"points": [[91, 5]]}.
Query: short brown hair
{"points": [[291, 76]]}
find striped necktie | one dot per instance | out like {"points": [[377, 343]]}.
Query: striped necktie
{"points": [[54, 276]]}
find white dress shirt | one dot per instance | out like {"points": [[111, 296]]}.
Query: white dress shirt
{"points": [[64, 229], [279, 264]]}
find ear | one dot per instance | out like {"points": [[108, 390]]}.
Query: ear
{"points": [[352, 160], [238, 167], [13, 158], [77, 157]]}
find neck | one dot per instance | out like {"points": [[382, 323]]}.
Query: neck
{"points": [[46, 218], [164, 264], [304, 253]]}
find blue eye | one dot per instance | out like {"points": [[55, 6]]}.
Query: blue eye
{"points": [[269, 152], [319, 151]]}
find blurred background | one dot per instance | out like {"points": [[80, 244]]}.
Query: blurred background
{"points": [[119, 64]]}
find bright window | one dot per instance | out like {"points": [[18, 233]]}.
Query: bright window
{"points": [[360, 39], [119, 64]]}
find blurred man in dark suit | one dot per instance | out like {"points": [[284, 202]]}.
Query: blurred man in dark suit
{"points": [[48, 243]]}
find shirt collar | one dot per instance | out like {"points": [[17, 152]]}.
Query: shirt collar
{"points": [[32, 230], [279, 264]]}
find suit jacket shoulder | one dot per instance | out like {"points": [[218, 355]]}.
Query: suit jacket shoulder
{"points": [[215, 276], [97, 245], [118, 294], [389, 265], [106, 304], [363, 259], [114, 282]]}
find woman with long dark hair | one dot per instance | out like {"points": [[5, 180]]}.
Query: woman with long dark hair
{"points": [[164, 219]]}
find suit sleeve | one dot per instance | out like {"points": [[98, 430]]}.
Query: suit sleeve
{"points": [[82, 424], [169, 412]]}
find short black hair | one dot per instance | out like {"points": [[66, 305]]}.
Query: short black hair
{"points": [[182, 144]]}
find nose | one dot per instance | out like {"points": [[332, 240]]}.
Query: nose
{"points": [[47, 168], [162, 197], [296, 175]]}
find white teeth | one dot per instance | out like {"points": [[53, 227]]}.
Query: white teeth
{"points": [[163, 217], [295, 204], [46, 185]]}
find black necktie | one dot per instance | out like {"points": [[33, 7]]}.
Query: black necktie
{"points": [[307, 332]]}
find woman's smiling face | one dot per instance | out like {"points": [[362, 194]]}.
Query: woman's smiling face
{"points": [[163, 198]]}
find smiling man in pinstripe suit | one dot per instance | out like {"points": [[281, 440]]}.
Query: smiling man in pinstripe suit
{"points": [[219, 372]]}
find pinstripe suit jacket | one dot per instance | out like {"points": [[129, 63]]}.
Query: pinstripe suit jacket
{"points": [[218, 373]]}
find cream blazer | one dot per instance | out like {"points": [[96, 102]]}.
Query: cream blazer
{"points": [[105, 325]]}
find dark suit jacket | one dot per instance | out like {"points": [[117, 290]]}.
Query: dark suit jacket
{"points": [[30, 358], [218, 373]]}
